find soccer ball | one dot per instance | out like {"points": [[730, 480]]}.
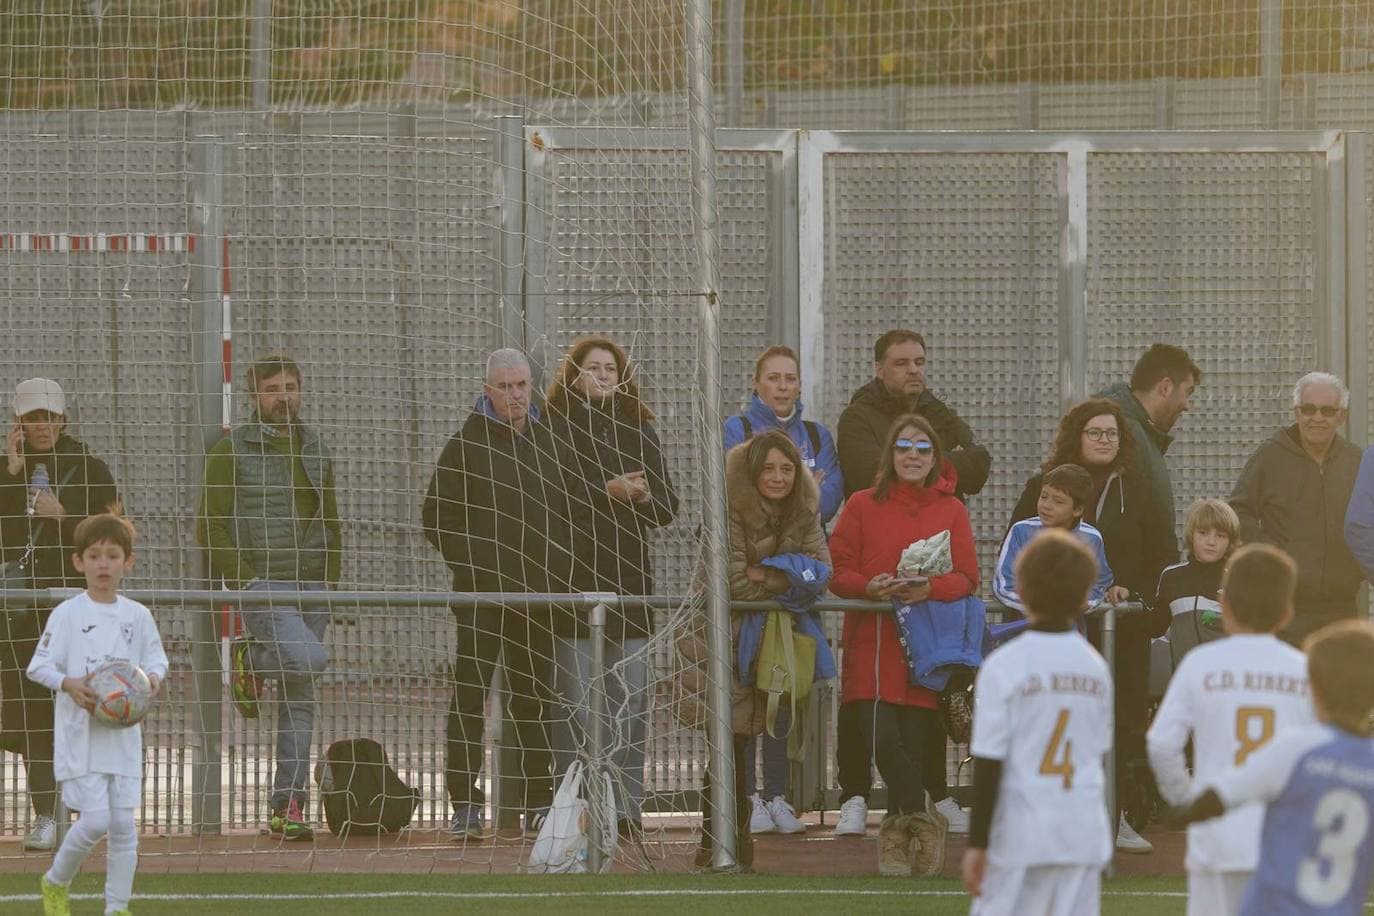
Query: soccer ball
{"points": [[123, 694]]}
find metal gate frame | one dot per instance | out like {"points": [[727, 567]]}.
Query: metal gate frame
{"points": [[1339, 203]]}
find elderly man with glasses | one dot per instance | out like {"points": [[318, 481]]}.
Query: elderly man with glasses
{"points": [[1294, 492]]}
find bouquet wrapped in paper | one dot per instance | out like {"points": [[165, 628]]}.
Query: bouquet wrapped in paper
{"points": [[927, 557]]}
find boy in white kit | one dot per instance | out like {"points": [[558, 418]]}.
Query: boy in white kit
{"points": [[1040, 832], [1316, 851], [1232, 696], [100, 768]]}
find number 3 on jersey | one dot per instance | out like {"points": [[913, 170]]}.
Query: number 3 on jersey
{"points": [[1341, 822], [1058, 756]]}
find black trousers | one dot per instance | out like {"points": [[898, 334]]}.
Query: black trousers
{"points": [[26, 708], [897, 738], [526, 651], [854, 754]]}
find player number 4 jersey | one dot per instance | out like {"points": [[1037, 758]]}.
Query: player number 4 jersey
{"points": [[1316, 849], [1044, 708]]}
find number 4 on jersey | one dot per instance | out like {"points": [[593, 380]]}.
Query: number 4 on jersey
{"points": [[1057, 760]]}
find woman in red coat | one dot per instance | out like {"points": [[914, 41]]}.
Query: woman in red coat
{"points": [[913, 499]]}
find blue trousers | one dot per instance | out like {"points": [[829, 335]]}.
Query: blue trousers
{"points": [[288, 647]]}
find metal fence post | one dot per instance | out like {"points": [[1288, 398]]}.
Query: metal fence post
{"points": [[209, 324], [1356, 239], [262, 55], [734, 63], [1271, 61], [706, 234], [596, 739], [1109, 776], [1073, 292], [510, 324]]}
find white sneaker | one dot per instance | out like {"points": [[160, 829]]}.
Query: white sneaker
{"points": [[853, 817], [42, 836], [1127, 840], [761, 821], [784, 818], [957, 817]]}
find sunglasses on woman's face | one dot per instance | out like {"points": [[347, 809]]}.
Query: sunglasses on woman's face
{"points": [[924, 449], [1326, 410]]}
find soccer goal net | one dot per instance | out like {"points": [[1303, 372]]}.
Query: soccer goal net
{"points": [[376, 199]]}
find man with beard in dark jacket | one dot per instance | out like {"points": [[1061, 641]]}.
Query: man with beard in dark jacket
{"points": [[1161, 385], [898, 387], [1293, 493], [497, 509], [49, 483]]}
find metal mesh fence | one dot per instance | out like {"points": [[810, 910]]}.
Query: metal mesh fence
{"points": [[398, 189]]}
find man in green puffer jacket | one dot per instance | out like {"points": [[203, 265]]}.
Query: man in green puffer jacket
{"points": [[1162, 382], [270, 517], [1293, 493]]}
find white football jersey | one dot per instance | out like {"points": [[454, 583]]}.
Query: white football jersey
{"points": [[82, 634], [1043, 706], [1232, 696]]}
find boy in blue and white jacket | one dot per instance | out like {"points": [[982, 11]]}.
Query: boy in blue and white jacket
{"points": [[1064, 493]]}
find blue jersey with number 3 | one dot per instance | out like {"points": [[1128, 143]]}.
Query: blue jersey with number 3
{"points": [[1317, 846]]}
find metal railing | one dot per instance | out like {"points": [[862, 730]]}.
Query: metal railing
{"points": [[207, 671]]}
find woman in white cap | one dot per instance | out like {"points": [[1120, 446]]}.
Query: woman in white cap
{"points": [[49, 482]]}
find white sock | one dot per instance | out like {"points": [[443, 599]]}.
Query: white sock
{"points": [[77, 845], [121, 859]]}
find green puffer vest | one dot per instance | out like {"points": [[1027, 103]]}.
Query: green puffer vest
{"points": [[277, 544]]}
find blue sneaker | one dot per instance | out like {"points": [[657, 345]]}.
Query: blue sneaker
{"points": [[467, 823]]}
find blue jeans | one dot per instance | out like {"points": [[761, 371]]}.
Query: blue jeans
{"points": [[777, 769], [624, 722], [288, 647]]}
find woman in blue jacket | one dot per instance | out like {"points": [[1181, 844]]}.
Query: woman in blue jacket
{"points": [[776, 404]]}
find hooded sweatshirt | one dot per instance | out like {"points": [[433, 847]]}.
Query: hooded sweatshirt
{"points": [[1161, 537], [869, 539], [1285, 498], [863, 433]]}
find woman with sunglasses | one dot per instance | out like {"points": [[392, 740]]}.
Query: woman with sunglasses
{"points": [[776, 405], [1094, 434], [1294, 492], [912, 499]]}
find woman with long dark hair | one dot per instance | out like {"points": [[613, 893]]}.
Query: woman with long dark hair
{"points": [[621, 491], [775, 404], [773, 506]]}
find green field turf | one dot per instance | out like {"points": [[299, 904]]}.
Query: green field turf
{"points": [[402, 895]]}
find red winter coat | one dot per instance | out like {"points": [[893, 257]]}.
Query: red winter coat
{"points": [[869, 540]]}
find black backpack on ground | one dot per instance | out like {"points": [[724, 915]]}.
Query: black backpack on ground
{"points": [[362, 793]]}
